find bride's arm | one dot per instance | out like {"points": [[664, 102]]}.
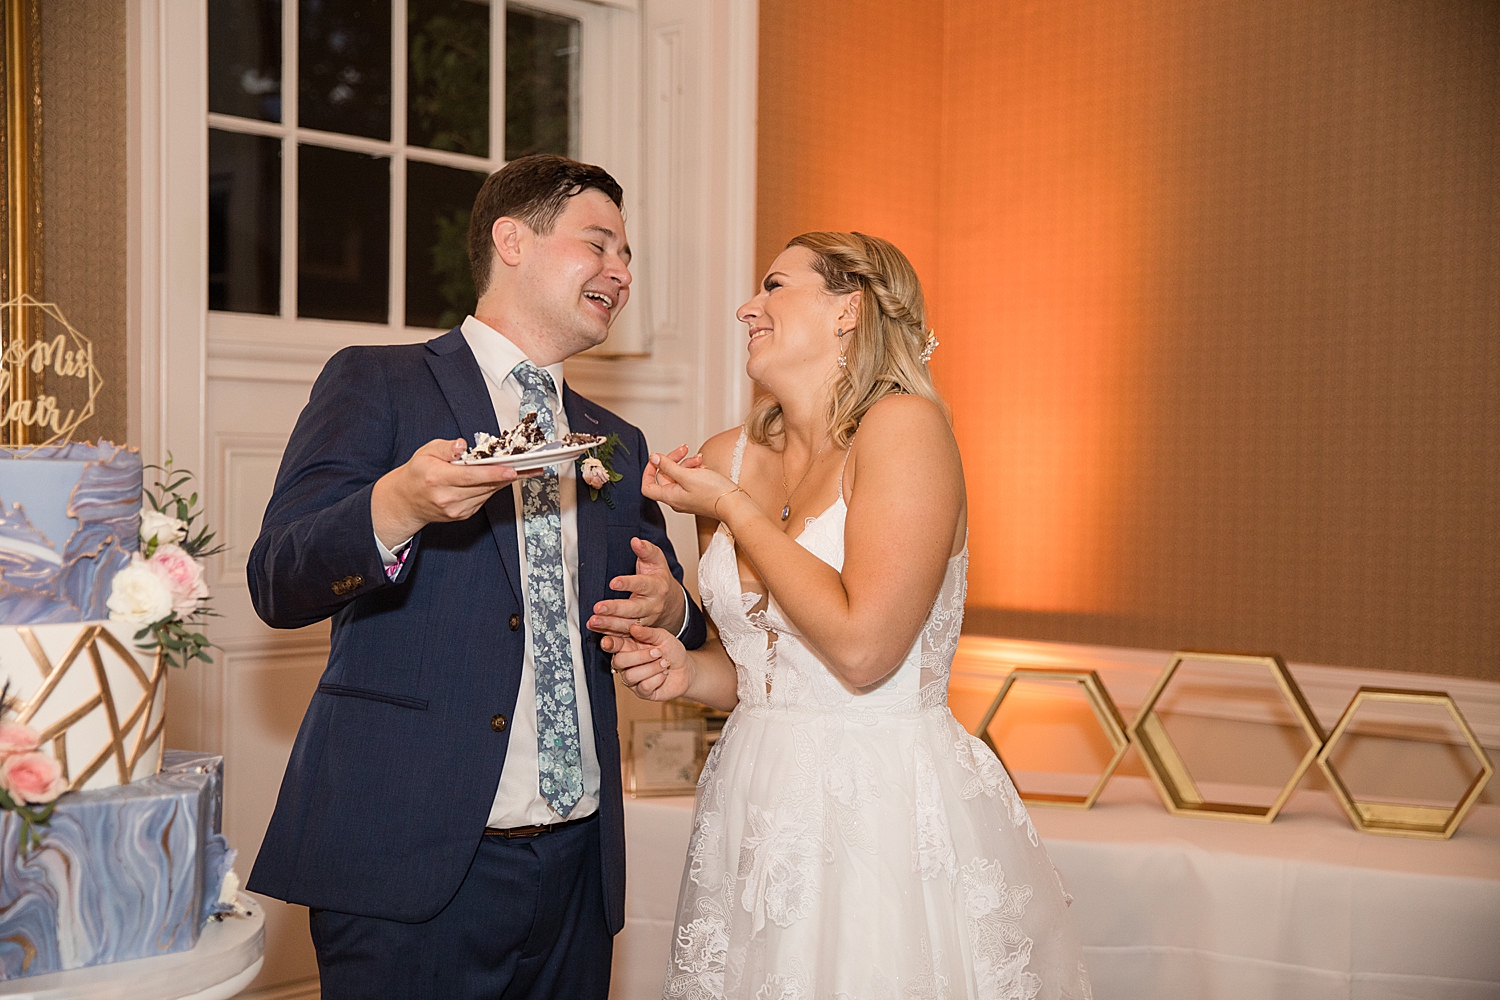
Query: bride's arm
{"points": [[653, 663], [904, 503]]}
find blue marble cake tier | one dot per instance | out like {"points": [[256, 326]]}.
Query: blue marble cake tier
{"points": [[127, 872], [69, 517]]}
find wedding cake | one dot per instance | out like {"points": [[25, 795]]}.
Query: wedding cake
{"points": [[110, 846]]}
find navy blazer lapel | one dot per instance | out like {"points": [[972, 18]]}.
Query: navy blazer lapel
{"points": [[462, 383], [593, 527]]}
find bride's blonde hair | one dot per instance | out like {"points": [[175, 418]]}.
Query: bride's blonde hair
{"points": [[887, 350]]}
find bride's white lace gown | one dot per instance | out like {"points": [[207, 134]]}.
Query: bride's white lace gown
{"points": [[858, 844]]}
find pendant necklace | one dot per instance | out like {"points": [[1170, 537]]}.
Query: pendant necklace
{"points": [[786, 509]]}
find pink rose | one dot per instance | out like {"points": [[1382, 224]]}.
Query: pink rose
{"points": [[32, 778], [183, 575], [16, 738], [594, 473]]}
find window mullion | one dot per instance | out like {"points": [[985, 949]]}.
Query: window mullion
{"points": [[497, 85], [289, 91], [398, 165]]}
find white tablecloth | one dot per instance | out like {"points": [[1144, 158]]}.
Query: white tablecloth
{"points": [[1172, 907]]}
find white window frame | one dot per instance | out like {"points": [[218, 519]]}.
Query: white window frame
{"points": [[608, 76]]}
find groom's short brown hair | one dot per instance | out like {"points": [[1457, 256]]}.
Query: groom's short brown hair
{"points": [[534, 190]]}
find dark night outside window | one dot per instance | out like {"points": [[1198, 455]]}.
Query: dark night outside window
{"points": [[448, 76], [541, 83], [244, 222], [341, 81], [344, 67], [439, 287], [244, 58], [343, 235]]}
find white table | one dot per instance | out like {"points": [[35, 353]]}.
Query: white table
{"points": [[1306, 908], [227, 957]]}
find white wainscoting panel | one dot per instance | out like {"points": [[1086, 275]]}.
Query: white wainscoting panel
{"points": [[268, 691]]}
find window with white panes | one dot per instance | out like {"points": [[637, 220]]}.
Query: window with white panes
{"points": [[348, 138]]}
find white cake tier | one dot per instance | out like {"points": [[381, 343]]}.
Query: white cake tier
{"points": [[97, 701]]}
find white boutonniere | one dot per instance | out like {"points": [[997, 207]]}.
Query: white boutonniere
{"points": [[598, 470]]}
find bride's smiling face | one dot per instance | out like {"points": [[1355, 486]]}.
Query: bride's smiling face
{"points": [[793, 322]]}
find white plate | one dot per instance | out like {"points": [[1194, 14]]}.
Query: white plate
{"points": [[551, 453]]}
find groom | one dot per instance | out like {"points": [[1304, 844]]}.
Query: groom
{"points": [[451, 811]]}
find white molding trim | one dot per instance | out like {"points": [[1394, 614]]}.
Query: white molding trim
{"points": [[627, 380], [302, 989], [742, 78], [1129, 673]]}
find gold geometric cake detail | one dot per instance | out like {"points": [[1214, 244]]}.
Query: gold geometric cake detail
{"points": [[1404, 819], [130, 734]]}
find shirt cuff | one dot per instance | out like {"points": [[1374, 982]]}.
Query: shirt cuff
{"points": [[686, 603], [392, 558]]}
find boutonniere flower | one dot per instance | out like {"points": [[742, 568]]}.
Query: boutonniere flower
{"points": [[598, 470]]}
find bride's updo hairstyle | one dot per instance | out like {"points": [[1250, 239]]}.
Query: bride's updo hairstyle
{"points": [[884, 353]]}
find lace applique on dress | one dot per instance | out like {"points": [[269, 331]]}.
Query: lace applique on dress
{"points": [[1002, 949], [932, 843], [848, 783], [699, 953], [779, 857], [798, 884]]}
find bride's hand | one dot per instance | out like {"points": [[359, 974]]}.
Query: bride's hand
{"points": [[684, 484], [652, 663]]}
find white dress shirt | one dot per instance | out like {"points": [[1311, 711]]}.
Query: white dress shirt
{"points": [[518, 800]]}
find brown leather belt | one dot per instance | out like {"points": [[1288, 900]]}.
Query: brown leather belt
{"points": [[513, 832]]}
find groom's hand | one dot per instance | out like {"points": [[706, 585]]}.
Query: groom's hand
{"points": [[429, 488], [656, 599]]}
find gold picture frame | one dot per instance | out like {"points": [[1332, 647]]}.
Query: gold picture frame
{"points": [[1169, 773], [1403, 819], [21, 203], [665, 757], [1105, 712]]}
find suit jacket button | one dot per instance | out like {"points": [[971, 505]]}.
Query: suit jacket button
{"points": [[498, 723], [347, 584], [515, 622]]}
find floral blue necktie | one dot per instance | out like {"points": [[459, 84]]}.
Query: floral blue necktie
{"points": [[559, 759]]}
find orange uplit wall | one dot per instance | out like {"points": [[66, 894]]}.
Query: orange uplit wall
{"points": [[1218, 290]]}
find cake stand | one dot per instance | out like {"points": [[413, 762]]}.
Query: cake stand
{"points": [[227, 957]]}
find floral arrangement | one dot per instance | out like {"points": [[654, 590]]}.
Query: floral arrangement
{"points": [[162, 590], [598, 469], [30, 781]]}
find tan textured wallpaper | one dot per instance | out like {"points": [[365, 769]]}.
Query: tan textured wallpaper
{"points": [[847, 131], [1218, 288], [83, 190]]}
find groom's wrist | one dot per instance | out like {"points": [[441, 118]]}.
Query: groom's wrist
{"points": [[675, 620], [389, 516]]}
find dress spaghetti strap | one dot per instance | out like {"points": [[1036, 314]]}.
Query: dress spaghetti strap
{"points": [[842, 468], [739, 455]]}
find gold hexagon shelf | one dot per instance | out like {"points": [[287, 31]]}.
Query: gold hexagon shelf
{"points": [[1402, 819], [1169, 773], [1105, 712]]}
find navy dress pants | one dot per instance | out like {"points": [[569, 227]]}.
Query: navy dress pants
{"points": [[527, 924]]}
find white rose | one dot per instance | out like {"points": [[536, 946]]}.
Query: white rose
{"points": [[594, 473], [165, 529], [139, 595]]}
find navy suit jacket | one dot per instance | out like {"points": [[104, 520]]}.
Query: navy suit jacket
{"points": [[395, 768]]}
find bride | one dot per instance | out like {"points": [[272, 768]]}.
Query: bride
{"points": [[851, 840]]}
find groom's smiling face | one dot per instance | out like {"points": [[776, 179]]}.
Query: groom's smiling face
{"points": [[577, 277]]}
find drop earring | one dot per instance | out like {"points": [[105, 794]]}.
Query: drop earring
{"points": [[843, 360]]}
